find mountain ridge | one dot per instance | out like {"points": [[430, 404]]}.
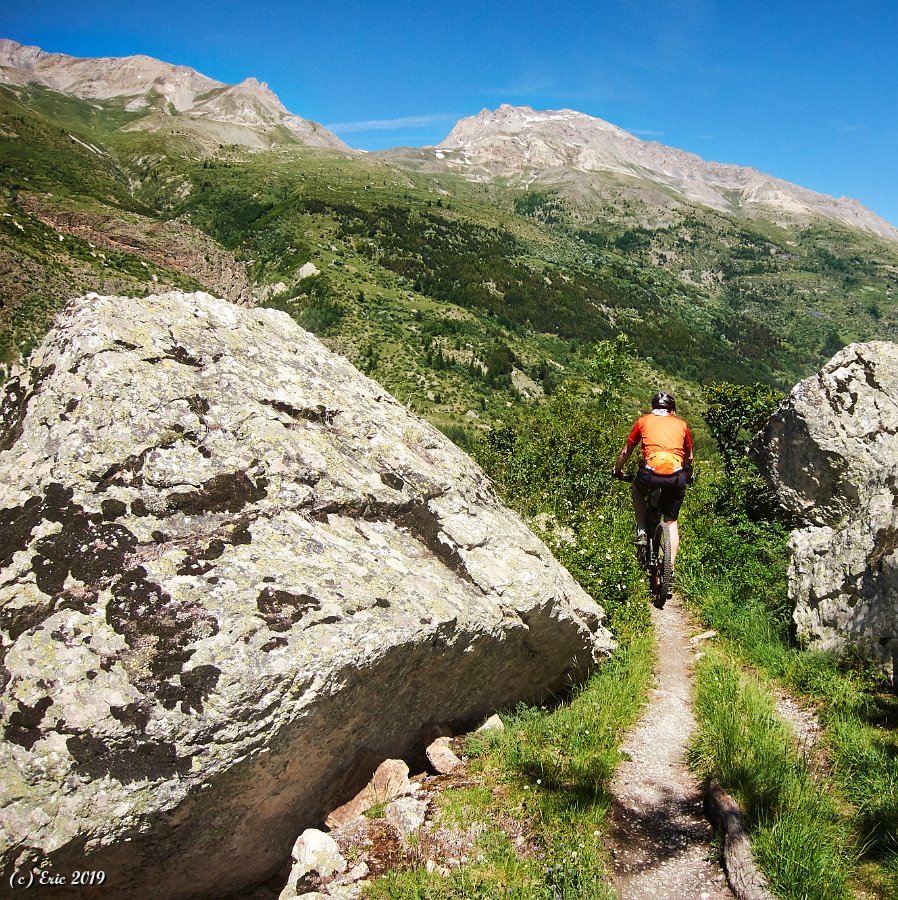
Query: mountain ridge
{"points": [[246, 113], [534, 147], [518, 140]]}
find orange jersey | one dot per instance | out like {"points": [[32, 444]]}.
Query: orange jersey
{"points": [[666, 442]]}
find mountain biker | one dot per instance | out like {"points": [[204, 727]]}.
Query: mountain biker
{"points": [[667, 462]]}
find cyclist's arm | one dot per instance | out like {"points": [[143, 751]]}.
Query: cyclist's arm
{"points": [[629, 447], [622, 458]]}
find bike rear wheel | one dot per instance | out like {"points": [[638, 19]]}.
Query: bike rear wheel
{"points": [[665, 564]]}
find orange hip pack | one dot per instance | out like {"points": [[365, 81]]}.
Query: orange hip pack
{"points": [[664, 462]]}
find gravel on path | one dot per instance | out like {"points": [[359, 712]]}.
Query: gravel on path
{"points": [[661, 842]]}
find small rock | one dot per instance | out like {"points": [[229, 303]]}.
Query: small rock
{"points": [[432, 867], [702, 637], [406, 814], [389, 781], [272, 290], [493, 723], [315, 851], [346, 891], [441, 756], [308, 269], [356, 873]]}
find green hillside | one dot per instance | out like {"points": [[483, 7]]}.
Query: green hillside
{"points": [[461, 298]]}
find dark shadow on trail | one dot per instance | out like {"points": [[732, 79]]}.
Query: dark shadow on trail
{"points": [[646, 835]]}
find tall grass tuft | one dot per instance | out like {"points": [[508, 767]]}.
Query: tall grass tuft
{"points": [[573, 747], [799, 839]]}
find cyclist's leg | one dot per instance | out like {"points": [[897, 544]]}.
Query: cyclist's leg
{"points": [[672, 499], [674, 539]]}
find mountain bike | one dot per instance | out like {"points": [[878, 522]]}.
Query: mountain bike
{"points": [[655, 556]]}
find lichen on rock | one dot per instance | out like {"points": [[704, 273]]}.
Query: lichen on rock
{"points": [[233, 571], [829, 454]]}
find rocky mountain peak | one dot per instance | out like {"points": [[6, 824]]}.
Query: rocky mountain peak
{"points": [[517, 120], [133, 79], [531, 144], [246, 113], [259, 89]]}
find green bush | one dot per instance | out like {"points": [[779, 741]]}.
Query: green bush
{"points": [[735, 413], [557, 458]]}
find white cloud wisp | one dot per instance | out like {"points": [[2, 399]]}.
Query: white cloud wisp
{"points": [[424, 121]]}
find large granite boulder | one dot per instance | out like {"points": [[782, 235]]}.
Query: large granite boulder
{"points": [[831, 455], [235, 575]]}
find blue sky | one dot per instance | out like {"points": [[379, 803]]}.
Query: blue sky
{"points": [[806, 91]]}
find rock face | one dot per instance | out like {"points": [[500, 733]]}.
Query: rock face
{"points": [[174, 245], [230, 568], [830, 455]]}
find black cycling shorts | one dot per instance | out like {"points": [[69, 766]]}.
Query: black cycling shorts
{"points": [[673, 489]]}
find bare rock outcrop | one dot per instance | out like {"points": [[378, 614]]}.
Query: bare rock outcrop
{"points": [[230, 568], [830, 455], [527, 143]]}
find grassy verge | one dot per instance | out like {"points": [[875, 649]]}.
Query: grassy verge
{"points": [[800, 840], [817, 837], [544, 779]]}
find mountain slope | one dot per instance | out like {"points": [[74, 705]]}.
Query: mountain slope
{"points": [[464, 297], [167, 96], [547, 147], [130, 78]]}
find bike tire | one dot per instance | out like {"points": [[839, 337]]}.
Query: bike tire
{"points": [[665, 563]]}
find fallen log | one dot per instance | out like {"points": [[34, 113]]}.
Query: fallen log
{"points": [[746, 882]]}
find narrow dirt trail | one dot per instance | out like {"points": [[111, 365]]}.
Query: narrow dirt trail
{"points": [[661, 842]]}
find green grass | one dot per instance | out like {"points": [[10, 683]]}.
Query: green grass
{"points": [[376, 811], [799, 838]]}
